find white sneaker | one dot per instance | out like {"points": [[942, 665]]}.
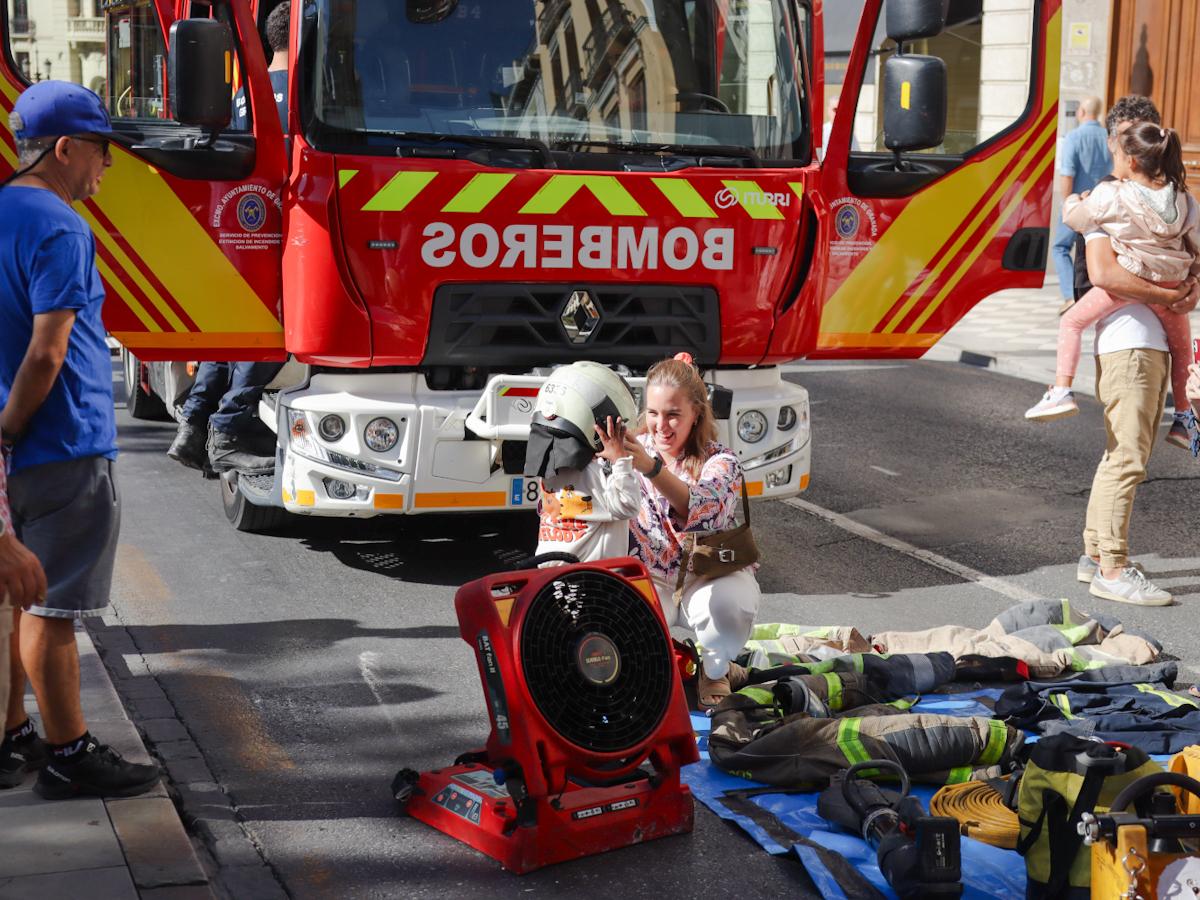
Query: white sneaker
{"points": [[1088, 567], [1056, 403], [1131, 586]]}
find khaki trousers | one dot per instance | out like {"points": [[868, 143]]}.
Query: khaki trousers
{"points": [[1132, 385]]}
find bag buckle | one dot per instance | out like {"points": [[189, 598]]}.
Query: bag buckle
{"points": [[725, 555]]}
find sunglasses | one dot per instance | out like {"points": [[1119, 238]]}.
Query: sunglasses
{"points": [[102, 143]]}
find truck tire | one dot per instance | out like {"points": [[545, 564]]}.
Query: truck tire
{"points": [[140, 403], [246, 516]]}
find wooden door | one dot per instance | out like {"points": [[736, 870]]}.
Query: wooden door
{"points": [[1153, 52]]}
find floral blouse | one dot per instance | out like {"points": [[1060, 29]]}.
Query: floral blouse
{"points": [[656, 533]]}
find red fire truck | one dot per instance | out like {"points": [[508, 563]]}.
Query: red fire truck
{"points": [[466, 193]]}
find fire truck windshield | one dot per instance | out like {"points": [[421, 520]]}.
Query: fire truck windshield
{"points": [[601, 76]]}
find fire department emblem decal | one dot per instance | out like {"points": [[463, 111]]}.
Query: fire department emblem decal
{"points": [[846, 221], [251, 212]]}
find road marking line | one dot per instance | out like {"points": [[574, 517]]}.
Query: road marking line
{"points": [[367, 661], [886, 471], [866, 532]]}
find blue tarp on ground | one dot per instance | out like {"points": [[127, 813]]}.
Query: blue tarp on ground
{"points": [[988, 872]]}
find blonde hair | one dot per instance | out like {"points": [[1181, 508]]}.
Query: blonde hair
{"points": [[682, 375]]}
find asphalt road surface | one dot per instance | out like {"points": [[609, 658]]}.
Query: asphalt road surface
{"points": [[311, 664]]}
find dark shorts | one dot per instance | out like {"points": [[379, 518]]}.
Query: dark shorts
{"points": [[69, 515]]}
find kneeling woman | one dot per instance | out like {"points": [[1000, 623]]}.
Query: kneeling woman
{"points": [[690, 484]]}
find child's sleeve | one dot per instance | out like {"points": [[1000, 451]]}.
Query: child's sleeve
{"points": [[1075, 215], [623, 490], [1099, 210]]}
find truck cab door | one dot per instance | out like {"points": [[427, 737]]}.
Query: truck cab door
{"points": [[188, 238], [908, 243]]}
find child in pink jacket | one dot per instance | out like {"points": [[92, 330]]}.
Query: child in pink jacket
{"points": [[1154, 225]]}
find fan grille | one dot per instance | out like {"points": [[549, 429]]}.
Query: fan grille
{"points": [[606, 706]]}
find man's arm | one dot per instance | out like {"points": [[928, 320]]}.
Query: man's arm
{"points": [[21, 576], [43, 360], [1111, 277], [1064, 185]]}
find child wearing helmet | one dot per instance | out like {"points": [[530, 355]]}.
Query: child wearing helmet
{"points": [[577, 448]]}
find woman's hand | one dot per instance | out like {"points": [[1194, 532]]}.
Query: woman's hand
{"points": [[643, 462], [613, 438], [1193, 383]]}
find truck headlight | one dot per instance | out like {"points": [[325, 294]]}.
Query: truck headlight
{"points": [[381, 434], [331, 428], [752, 426], [787, 418]]}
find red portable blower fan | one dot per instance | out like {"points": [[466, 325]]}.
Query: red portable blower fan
{"points": [[589, 722]]}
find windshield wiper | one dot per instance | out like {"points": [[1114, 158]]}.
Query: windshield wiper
{"points": [[503, 142], [697, 150]]}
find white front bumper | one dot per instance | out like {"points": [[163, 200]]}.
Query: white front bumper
{"points": [[441, 464]]}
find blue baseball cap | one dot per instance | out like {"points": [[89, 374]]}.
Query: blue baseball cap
{"points": [[58, 108]]}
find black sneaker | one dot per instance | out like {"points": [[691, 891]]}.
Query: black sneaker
{"points": [[99, 771], [17, 758]]}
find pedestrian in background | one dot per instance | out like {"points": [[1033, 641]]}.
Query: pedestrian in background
{"points": [[59, 429], [1132, 368], [1084, 160]]}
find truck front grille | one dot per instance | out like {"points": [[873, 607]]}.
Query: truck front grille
{"points": [[523, 324]]}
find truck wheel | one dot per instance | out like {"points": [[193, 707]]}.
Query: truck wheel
{"points": [[140, 403], [244, 515]]}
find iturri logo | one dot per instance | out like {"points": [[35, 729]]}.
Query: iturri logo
{"points": [[725, 198]]}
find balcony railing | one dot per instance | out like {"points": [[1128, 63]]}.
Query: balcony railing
{"points": [[23, 27], [548, 19], [87, 29], [613, 22]]}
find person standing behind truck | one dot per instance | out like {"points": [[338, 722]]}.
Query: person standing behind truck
{"points": [[219, 414], [1084, 161], [58, 424]]}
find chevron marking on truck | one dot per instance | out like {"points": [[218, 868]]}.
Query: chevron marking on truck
{"points": [[399, 192], [479, 192], [685, 198], [559, 189]]}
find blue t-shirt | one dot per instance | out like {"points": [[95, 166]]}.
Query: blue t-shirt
{"points": [[48, 263], [1085, 156], [241, 115]]}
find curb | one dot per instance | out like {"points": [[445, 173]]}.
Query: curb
{"points": [[157, 849], [1013, 365], [238, 866]]}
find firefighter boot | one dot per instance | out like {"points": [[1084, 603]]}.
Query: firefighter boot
{"points": [[228, 452], [188, 447]]}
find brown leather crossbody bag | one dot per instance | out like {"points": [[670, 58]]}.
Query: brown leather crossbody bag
{"points": [[720, 553]]}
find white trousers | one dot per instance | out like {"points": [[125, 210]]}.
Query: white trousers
{"points": [[721, 613]]}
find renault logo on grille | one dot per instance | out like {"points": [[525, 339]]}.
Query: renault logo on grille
{"points": [[580, 316]]}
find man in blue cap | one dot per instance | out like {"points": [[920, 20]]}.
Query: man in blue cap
{"points": [[58, 433]]}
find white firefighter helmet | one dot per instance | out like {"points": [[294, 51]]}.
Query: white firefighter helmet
{"points": [[574, 399]]}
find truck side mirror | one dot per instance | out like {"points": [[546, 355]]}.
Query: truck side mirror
{"points": [[914, 102], [910, 20], [200, 73]]}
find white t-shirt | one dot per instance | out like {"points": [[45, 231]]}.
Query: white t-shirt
{"points": [[587, 513], [1132, 327]]}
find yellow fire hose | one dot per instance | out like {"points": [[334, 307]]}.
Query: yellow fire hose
{"points": [[980, 812]]}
